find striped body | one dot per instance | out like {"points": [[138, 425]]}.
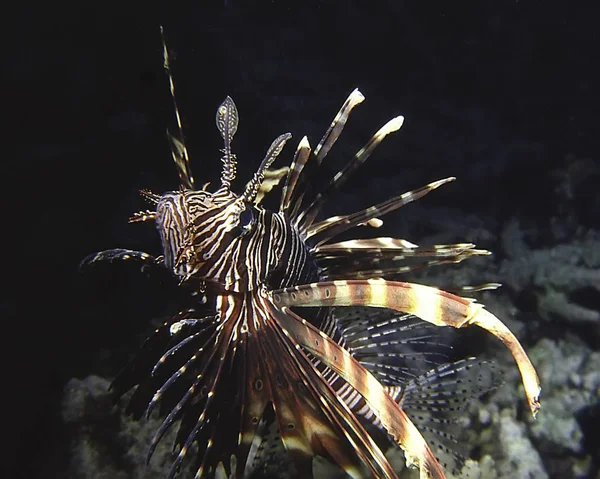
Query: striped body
{"points": [[366, 355], [225, 240]]}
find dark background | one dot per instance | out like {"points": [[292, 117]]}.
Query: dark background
{"points": [[499, 94]]}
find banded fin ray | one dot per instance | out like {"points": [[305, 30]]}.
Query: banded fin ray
{"points": [[430, 304], [308, 216], [413, 361], [385, 247], [337, 125], [119, 254], [392, 417], [177, 143], [194, 379], [152, 354], [254, 405], [216, 407], [395, 347], [366, 263], [435, 400], [306, 164], [341, 421], [230, 411], [324, 230], [290, 195]]}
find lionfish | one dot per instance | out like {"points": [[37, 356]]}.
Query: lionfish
{"points": [[313, 336]]}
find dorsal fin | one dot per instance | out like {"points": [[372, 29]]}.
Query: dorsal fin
{"points": [[310, 213], [178, 148], [298, 191]]}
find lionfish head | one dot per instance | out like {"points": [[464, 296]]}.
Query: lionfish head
{"points": [[201, 231], [196, 227]]}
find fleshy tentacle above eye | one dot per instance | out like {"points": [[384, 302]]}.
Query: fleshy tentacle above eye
{"points": [[227, 120], [430, 304]]}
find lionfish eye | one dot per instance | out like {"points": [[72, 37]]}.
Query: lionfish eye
{"points": [[247, 221]]}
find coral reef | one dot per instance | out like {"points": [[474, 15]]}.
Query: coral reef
{"points": [[558, 274], [106, 443]]}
